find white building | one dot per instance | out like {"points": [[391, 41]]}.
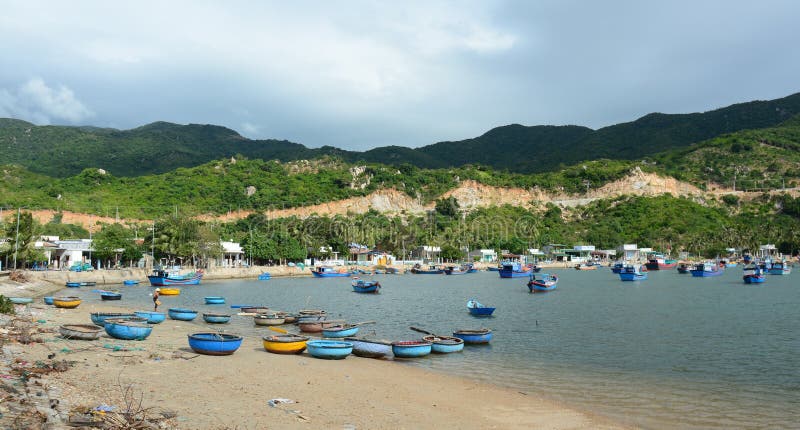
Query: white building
{"points": [[629, 252], [232, 254]]}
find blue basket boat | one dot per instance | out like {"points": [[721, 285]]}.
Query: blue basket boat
{"points": [[330, 349], [216, 318], [264, 277], [444, 344], [152, 317], [411, 348], [214, 300], [477, 309], [20, 300], [362, 286], [182, 314], [214, 343], [73, 284], [130, 282], [340, 331], [110, 295], [483, 335], [99, 318], [127, 330], [48, 300]]}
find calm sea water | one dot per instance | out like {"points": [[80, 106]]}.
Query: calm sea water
{"points": [[669, 352]]}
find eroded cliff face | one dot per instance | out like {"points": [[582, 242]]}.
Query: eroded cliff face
{"points": [[470, 195]]}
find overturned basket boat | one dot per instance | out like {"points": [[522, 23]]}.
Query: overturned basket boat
{"points": [[370, 348], [80, 331]]}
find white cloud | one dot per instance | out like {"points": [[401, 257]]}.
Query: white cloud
{"points": [[37, 102], [250, 129]]}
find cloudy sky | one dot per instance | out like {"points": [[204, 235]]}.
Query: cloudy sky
{"points": [[360, 74]]}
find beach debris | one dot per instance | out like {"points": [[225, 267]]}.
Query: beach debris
{"points": [[18, 276], [275, 402]]}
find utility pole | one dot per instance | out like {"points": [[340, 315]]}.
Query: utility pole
{"points": [[16, 242]]}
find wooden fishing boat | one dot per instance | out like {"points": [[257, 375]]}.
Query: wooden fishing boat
{"points": [[161, 278], [285, 344], [514, 270], [431, 270], [181, 314], [617, 267], [683, 268], [657, 261], [362, 286], [317, 326], [586, 266], [264, 277], [633, 273], [99, 318], [340, 331], [48, 300], [753, 275], [542, 283], [214, 300], [69, 302], [88, 284], [128, 330], [705, 270], [255, 310], [152, 317], [169, 291], [483, 335], [214, 343], [477, 309], [329, 349], [411, 348], [779, 268], [216, 318], [20, 300], [330, 272], [370, 348], [110, 295], [460, 270], [444, 344], [80, 331], [268, 319]]}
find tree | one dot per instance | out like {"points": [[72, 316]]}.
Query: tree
{"points": [[451, 253], [447, 207], [110, 242], [22, 234]]}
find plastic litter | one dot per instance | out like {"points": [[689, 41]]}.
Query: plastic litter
{"points": [[104, 408], [275, 402]]}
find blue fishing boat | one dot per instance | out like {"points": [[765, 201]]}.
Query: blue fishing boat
{"points": [[542, 283], [477, 309], [216, 318], [617, 267], [753, 275], [411, 348], [460, 270], [214, 300], [162, 278], [493, 269], [99, 318], [514, 270], [431, 270], [633, 273], [483, 335], [264, 277], [130, 282], [340, 331], [329, 272], [48, 300], [362, 286], [330, 349], [152, 317], [110, 295], [683, 268], [128, 330], [214, 343], [182, 314], [705, 270], [444, 344], [73, 284], [779, 268]]}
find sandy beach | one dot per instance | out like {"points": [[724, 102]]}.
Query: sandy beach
{"points": [[209, 392]]}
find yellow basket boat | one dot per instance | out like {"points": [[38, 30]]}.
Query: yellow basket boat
{"points": [[170, 291], [66, 302], [285, 344]]}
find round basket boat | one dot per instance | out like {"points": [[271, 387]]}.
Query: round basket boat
{"points": [[285, 344], [48, 300], [20, 300], [268, 319], [411, 348], [127, 330], [216, 318], [477, 336], [70, 302], [214, 300], [330, 349], [444, 344], [99, 318], [214, 343], [152, 317], [181, 314], [80, 331]]}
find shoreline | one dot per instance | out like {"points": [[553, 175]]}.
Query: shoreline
{"points": [[213, 392]]}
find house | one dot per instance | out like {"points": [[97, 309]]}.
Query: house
{"points": [[70, 252], [232, 254], [767, 251], [381, 258], [482, 255], [629, 252], [534, 255], [426, 253]]}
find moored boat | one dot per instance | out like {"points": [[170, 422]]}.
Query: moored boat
{"points": [[617, 267], [88, 284], [214, 343], [477, 309], [181, 314], [460, 270], [444, 344], [170, 291], [127, 330], [543, 282], [268, 319], [431, 270], [633, 273], [586, 266], [683, 268], [779, 268], [370, 348], [110, 295], [478, 336], [80, 331], [69, 302], [705, 270], [256, 310], [264, 276], [411, 348], [317, 326], [152, 317], [216, 318], [362, 286], [214, 300], [330, 272], [73, 284], [340, 331], [130, 282], [329, 349], [753, 275], [285, 344], [514, 270], [657, 261], [161, 278]]}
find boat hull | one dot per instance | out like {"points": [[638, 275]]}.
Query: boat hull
{"points": [[80, 331], [444, 345], [152, 317], [369, 348], [127, 330], [216, 318], [110, 296], [182, 314], [48, 300], [214, 300], [20, 300], [130, 282], [73, 284], [66, 302], [285, 344], [316, 326], [163, 281], [264, 277], [339, 332], [411, 349], [705, 273], [99, 318], [214, 343], [329, 349], [514, 273], [366, 287], [632, 276], [474, 336], [268, 320], [170, 291], [481, 312], [753, 279]]}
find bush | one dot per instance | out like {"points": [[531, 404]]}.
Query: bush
{"points": [[730, 199], [6, 306]]}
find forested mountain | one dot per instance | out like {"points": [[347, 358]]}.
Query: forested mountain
{"points": [[161, 147]]}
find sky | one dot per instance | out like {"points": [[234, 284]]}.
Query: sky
{"points": [[363, 74]]}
